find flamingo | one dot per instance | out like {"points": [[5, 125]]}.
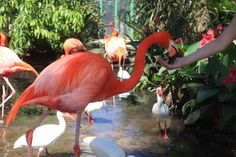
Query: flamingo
{"points": [[105, 147], [70, 83], [73, 45], [45, 135], [91, 107], [10, 63], [161, 111], [115, 47]]}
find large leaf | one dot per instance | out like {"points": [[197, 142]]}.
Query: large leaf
{"points": [[205, 93], [228, 113], [192, 117], [192, 48]]}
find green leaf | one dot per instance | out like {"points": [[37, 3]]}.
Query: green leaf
{"points": [[205, 93], [192, 117], [192, 48], [228, 112]]}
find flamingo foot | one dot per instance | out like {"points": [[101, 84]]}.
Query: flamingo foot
{"points": [[77, 150], [166, 136]]}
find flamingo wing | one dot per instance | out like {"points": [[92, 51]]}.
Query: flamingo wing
{"points": [[67, 84]]}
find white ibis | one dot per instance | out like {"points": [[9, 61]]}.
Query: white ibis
{"points": [[161, 111], [44, 135], [91, 107], [105, 147]]}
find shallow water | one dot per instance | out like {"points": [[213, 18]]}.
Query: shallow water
{"points": [[131, 126]]}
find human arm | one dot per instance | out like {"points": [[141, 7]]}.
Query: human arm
{"points": [[215, 46]]}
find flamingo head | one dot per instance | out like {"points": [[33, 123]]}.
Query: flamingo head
{"points": [[115, 33], [73, 45], [3, 39], [159, 91], [172, 49]]}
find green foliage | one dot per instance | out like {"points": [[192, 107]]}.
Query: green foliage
{"points": [[44, 25]]}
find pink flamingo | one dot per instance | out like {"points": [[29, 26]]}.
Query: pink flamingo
{"points": [[115, 47], [10, 63], [72, 82], [73, 45]]}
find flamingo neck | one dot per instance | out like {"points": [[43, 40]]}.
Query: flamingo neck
{"points": [[160, 38]]}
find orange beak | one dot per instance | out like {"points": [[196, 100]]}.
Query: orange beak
{"points": [[70, 116], [172, 49]]}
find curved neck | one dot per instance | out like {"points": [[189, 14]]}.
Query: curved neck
{"points": [[62, 122], [160, 38]]}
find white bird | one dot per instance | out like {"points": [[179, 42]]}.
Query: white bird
{"points": [[161, 111], [123, 74], [91, 107], [44, 135], [105, 147]]}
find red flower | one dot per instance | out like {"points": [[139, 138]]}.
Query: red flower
{"points": [[157, 20], [112, 24], [219, 27], [231, 77], [211, 33]]}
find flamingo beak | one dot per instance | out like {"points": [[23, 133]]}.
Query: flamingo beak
{"points": [[71, 116], [172, 49]]}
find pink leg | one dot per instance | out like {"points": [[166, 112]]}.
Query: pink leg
{"points": [[166, 136], [3, 98], [29, 133], [77, 132], [7, 98]]}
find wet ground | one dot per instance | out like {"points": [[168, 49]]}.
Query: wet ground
{"points": [[131, 126]]}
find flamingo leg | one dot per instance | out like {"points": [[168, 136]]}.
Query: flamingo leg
{"points": [[29, 133], [4, 100], [166, 136], [77, 132]]}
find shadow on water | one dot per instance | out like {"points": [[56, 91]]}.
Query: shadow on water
{"points": [[132, 126]]}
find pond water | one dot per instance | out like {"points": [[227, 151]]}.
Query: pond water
{"points": [[131, 126]]}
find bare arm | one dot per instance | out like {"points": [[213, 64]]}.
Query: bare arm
{"points": [[215, 46]]}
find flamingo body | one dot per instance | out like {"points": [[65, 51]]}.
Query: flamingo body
{"points": [[115, 47], [44, 135], [10, 63]]}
